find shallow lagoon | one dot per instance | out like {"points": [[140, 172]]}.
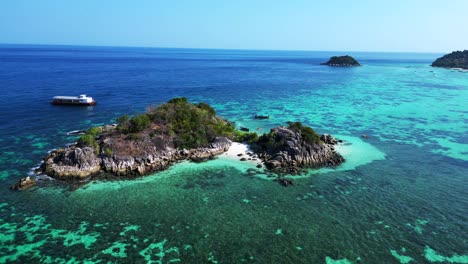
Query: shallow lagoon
{"points": [[400, 198]]}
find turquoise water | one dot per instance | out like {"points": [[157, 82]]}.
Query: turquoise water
{"points": [[401, 197]]}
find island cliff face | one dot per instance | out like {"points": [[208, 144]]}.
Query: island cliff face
{"points": [[82, 162], [179, 130], [342, 61], [456, 59]]}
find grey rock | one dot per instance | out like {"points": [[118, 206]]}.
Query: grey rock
{"points": [[23, 184], [294, 153], [74, 162]]}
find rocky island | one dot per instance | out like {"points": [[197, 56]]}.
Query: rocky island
{"points": [[342, 61], [144, 143], [456, 59], [295, 147], [179, 130]]}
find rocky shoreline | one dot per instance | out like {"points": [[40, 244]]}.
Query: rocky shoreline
{"points": [[155, 140], [296, 154], [74, 162]]}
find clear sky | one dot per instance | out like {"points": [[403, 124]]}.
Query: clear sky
{"points": [[344, 25]]}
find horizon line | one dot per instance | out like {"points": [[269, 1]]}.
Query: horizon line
{"points": [[239, 49]]}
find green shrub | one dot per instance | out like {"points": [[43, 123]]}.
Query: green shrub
{"points": [[207, 108], [133, 137], [139, 123], [178, 101], [94, 131], [154, 133], [108, 151], [122, 120], [88, 140], [308, 134], [250, 138], [270, 142], [191, 125]]}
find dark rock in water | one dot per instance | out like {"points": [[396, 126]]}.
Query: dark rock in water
{"points": [[328, 139], [243, 159], [290, 149], [456, 59], [284, 181], [23, 184], [261, 117], [251, 172], [239, 155], [259, 166], [342, 61], [244, 129]]}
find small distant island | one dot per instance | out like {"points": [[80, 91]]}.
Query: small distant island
{"points": [[179, 130], [342, 61], [456, 59]]}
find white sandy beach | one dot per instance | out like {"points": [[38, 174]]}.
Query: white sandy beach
{"points": [[239, 148]]}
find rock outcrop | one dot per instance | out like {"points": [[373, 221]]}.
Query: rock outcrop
{"points": [[72, 162], [179, 130], [456, 59], [289, 150], [76, 162], [342, 61], [219, 146], [23, 184]]}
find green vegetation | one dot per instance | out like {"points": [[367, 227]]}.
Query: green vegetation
{"points": [[273, 142], [89, 138], [249, 138], [308, 134], [86, 141], [456, 59], [123, 120], [184, 124], [108, 151], [181, 124], [133, 136], [94, 131], [134, 124], [139, 123], [192, 125], [210, 110], [342, 61]]}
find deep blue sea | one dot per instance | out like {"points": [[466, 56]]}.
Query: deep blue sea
{"points": [[401, 197]]}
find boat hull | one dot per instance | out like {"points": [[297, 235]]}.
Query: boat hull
{"points": [[72, 103]]}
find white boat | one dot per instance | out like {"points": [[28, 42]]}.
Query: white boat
{"points": [[73, 100]]}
